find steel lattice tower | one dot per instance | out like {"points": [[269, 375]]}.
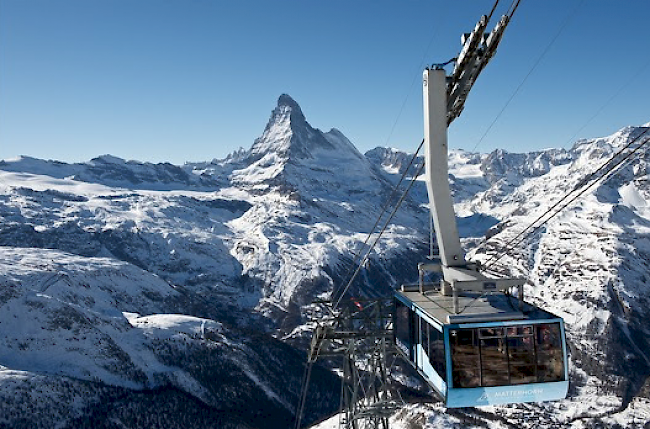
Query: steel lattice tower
{"points": [[359, 338]]}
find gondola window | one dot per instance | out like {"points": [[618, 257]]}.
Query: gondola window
{"points": [[465, 358], [501, 356], [403, 326], [436, 349]]}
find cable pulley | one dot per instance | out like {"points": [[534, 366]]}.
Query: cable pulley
{"points": [[478, 49]]}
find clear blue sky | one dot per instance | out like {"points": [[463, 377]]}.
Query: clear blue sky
{"points": [[190, 80]]}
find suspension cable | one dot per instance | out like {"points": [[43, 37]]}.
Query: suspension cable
{"points": [[602, 178], [537, 228], [303, 392], [539, 59], [582, 182], [610, 100], [383, 210], [513, 8], [611, 169], [390, 218], [496, 3]]}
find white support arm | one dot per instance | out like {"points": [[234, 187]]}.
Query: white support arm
{"points": [[457, 273], [437, 176], [444, 99]]}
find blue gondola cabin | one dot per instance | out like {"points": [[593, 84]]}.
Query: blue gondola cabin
{"points": [[497, 350]]}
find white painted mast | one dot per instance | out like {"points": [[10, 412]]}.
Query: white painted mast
{"points": [[437, 169], [444, 100]]}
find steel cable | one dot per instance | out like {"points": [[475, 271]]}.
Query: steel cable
{"points": [[513, 8], [511, 244], [580, 183], [610, 100], [303, 393], [382, 211], [390, 218], [496, 3], [539, 59]]}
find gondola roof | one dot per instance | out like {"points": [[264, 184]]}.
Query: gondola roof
{"points": [[474, 306]]}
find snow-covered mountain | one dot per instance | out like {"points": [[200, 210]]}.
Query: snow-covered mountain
{"points": [[590, 265], [137, 263], [141, 287], [115, 172], [91, 339]]}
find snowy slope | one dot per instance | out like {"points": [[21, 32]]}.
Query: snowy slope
{"points": [[315, 198], [590, 265], [141, 283], [112, 171], [263, 242], [75, 324]]}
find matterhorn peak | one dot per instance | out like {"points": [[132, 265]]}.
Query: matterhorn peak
{"points": [[288, 134], [287, 109], [287, 112], [285, 100]]}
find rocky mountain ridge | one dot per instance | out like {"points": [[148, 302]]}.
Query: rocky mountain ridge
{"points": [[196, 268]]}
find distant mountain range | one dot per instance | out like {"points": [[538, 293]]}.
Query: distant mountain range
{"points": [[136, 294]]}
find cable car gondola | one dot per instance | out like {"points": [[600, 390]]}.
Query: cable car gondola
{"points": [[471, 340], [490, 353]]}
